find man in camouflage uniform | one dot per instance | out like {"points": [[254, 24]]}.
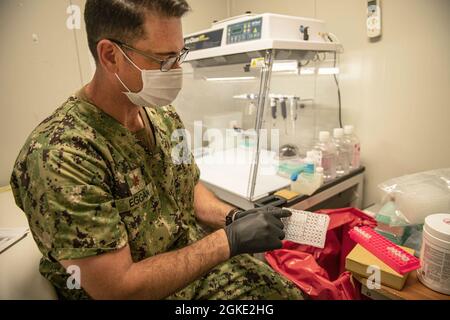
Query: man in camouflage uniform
{"points": [[101, 190]]}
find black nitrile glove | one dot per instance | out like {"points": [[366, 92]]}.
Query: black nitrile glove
{"points": [[242, 213], [259, 231]]}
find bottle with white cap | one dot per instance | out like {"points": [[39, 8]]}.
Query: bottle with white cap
{"points": [[354, 146], [435, 253], [326, 155], [310, 165], [342, 151]]}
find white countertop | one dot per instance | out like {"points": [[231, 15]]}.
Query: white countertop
{"points": [[230, 170]]}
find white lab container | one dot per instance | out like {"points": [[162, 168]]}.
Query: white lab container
{"points": [[435, 253]]}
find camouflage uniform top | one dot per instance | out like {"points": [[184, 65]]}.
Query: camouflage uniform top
{"points": [[89, 186]]}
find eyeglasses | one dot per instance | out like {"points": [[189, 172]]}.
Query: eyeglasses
{"points": [[165, 64]]}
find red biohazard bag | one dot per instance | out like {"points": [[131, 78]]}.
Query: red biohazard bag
{"points": [[320, 273]]}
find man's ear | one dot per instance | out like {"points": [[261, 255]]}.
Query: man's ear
{"points": [[108, 55]]}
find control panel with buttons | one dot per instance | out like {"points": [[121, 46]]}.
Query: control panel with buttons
{"points": [[244, 31]]}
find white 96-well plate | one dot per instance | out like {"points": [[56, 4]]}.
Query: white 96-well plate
{"points": [[306, 228]]}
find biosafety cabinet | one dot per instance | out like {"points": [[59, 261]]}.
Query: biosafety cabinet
{"points": [[257, 90]]}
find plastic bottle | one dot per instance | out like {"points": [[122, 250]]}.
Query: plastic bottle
{"points": [[319, 174], [309, 164], [313, 155], [343, 153], [354, 146], [326, 153]]}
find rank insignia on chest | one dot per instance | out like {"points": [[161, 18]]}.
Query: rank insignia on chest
{"points": [[135, 180]]}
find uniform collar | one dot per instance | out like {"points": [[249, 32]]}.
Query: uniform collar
{"points": [[103, 123]]}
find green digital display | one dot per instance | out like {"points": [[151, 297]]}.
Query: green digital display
{"points": [[244, 31], [236, 30]]}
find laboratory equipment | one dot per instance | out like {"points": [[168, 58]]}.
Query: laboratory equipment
{"points": [[307, 184], [251, 108], [273, 109], [294, 105], [288, 151], [310, 166], [326, 155], [293, 108], [250, 33], [323, 281], [342, 152], [309, 179], [373, 18], [289, 160], [385, 250], [283, 106], [255, 64], [307, 168], [354, 147], [435, 253], [306, 228]]}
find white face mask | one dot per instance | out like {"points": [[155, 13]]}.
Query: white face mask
{"points": [[159, 88]]}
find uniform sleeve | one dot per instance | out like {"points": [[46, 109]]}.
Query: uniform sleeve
{"points": [[81, 218], [196, 171]]}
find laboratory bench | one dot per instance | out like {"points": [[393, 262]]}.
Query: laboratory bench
{"points": [[413, 290], [346, 191]]}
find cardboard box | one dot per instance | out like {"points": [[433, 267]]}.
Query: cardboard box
{"points": [[359, 259]]}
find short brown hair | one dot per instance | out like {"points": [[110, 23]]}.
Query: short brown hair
{"points": [[123, 20]]}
